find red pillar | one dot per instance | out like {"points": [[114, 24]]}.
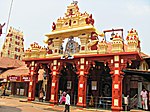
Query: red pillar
{"points": [[32, 83], [82, 88], [31, 91], [54, 88], [55, 68], [116, 84], [83, 67]]}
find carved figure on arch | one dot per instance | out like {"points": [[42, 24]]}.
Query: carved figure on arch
{"points": [[93, 41], [89, 20], [50, 46], [72, 46], [54, 26]]}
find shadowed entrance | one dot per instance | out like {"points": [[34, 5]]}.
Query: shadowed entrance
{"points": [[68, 81]]}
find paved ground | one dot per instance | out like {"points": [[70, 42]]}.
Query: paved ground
{"points": [[13, 105], [19, 105], [9, 104]]}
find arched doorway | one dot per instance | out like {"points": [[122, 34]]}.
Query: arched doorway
{"points": [[43, 81], [99, 87], [68, 81]]}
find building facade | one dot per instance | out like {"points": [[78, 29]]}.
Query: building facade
{"points": [[87, 65]]}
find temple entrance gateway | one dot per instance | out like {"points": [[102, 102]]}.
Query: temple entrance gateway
{"points": [[95, 67]]}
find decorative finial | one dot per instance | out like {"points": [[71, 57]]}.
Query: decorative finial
{"points": [[75, 2]]}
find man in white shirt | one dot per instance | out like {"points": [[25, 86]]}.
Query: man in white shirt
{"points": [[67, 103], [144, 99]]}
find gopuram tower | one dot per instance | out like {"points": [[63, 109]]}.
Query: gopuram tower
{"points": [[13, 46]]}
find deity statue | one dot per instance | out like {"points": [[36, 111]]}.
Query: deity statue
{"points": [[89, 20], [71, 47], [54, 26], [50, 46], [93, 41]]}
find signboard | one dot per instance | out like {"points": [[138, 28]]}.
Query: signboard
{"points": [[13, 78], [25, 78]]}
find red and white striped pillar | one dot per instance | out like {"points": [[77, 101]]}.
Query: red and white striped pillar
{"points": [[116, 84], [82, 82], [55, 82], [32, 83]]}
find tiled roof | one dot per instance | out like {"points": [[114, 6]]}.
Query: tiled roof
{"points": [[6, 62], [143, 55], [23, 70]]}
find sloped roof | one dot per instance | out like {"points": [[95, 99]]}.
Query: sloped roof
{"points": [[22, 70], [143, 55], [6, 62], [143, 73]]}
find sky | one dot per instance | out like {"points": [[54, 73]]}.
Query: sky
{"points": [[35, 17]]}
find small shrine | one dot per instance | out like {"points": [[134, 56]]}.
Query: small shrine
{"points": [[133, 41]]}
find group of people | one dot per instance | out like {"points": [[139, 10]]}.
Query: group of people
{"points": [[65, 99], [145, 99]]}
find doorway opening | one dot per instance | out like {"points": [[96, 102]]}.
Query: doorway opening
{"points": [[68, 81], [99, 86]]}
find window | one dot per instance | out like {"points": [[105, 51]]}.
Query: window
{"points": [[74, 22], [94, 85], [69, 22], [8, 52], [15, 49], [68, 84]]}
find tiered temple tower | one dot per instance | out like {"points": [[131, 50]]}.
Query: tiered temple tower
{"points": [[13, 46]]}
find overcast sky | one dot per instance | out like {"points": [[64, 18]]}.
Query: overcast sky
{"points": [[35, 17]]}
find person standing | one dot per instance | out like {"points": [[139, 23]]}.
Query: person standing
{"points": [[67, 103], [62, 100], [144, 99]]}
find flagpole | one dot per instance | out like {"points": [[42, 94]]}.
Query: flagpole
{"points": [[9, 16]]}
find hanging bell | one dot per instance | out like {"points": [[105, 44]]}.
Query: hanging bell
{"points": [[112, 35]]}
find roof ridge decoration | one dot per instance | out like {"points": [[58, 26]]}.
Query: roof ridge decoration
{"points": [[73, 18], [133, 41], [14, 32]]}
